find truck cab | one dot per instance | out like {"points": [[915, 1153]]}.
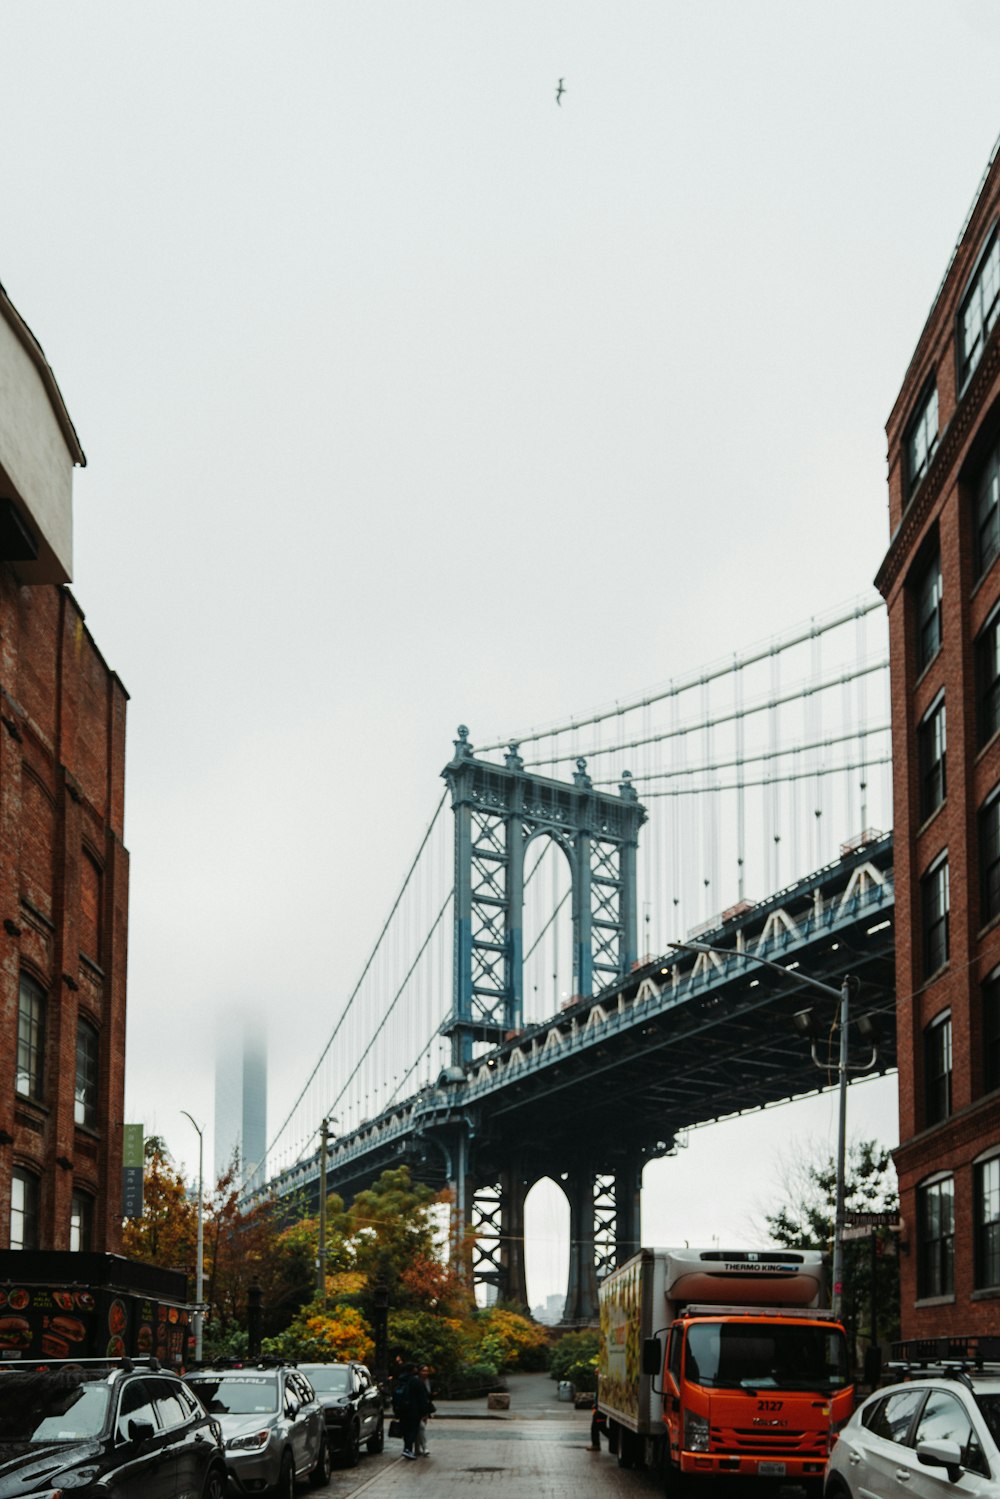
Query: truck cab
{"points": [[753, 1392]]}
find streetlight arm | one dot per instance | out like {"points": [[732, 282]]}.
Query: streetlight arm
{"points": [[751, 957]]}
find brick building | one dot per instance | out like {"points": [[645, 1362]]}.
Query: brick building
{"points": [[63, 866], [941, 582]]}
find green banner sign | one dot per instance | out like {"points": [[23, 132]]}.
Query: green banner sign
{"points": [[132, 1145]]}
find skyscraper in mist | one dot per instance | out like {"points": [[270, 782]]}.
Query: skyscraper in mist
{"points": [[241, 1098]]}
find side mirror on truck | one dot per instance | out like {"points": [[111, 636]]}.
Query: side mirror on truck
{"points": [[652, 1356]]}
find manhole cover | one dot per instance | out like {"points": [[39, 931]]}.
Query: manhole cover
{"points": [[483, 1470]]}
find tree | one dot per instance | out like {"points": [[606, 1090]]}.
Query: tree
{"points": [[167, 1232], [807, 1221], [393, 1237]]}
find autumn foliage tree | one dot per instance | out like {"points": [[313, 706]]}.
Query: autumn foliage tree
{"points": [[167, 1232]]}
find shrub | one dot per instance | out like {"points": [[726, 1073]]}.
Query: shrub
{"points": [[510, 1341], [572, 1348], [583, 1374], [335, 1336], [427, 1338]]}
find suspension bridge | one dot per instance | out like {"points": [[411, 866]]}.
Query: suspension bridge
{"points": [[522, 1012]]}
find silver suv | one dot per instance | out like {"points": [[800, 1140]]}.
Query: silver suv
{"points": [[272, 1426], [935, 1435]]}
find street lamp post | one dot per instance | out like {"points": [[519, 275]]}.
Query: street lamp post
{"points": [[843, 996], [200, 1272]]}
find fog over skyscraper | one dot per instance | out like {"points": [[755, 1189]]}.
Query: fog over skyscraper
{"points": [[241, 1096]]}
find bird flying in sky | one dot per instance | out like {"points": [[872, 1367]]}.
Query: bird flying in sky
{"points": [[559, 93]]}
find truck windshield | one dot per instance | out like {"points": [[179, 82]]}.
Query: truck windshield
{"points": [[772, 1356]]}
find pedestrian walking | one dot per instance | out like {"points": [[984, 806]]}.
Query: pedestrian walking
{"points": [[410, 1402], [425, 1379]]}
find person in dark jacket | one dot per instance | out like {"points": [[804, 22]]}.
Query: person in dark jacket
{"points": [[412, 1406]]}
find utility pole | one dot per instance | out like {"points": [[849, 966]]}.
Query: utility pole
{"points": [[324, 1135]]}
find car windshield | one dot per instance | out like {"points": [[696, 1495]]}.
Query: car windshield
{"points": [[775, 1356], [237, 1394], [55, 1406], [326, 1379], [989, 1404]]}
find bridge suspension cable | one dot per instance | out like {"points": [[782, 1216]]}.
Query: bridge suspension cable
{"points": [[806, 715]]}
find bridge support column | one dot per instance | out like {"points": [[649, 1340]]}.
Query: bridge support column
{"points": [[581, 1291], [498, 1236], [628, 1217], [514, 1282]]}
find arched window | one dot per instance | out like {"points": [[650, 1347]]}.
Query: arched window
{"points": [[85, 1091], [986, 1220], [936, 1242], [81, 1222], [937, 1069], [979, 310], [24, 1194], [30, 1069]]}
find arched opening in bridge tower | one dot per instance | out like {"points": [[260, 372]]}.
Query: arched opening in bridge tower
{"points": [[546, 1248], [547, 929]]}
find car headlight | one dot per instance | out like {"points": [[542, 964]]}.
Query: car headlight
{"points": [[252, 1443], [695, 1433]]}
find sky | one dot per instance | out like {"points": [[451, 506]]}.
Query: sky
{"points": [[411, 397]]}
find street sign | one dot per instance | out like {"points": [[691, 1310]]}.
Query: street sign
{"points": [[873, 1220], [862, 1231]]}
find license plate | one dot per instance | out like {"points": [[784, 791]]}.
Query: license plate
{"points": [[771, 1470]]}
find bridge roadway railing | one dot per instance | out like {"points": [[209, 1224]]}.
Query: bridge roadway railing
{"points": [[777, 928]]}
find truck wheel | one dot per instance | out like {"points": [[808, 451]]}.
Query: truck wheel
{"points": [[626, 1450], [678, 1485]]}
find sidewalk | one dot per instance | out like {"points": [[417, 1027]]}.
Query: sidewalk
{"points": [[538, 1449], [533, 1397]]}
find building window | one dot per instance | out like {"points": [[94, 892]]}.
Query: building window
{"points": [[979, 310], [85, 1093], [988, 679], [931, 747], [936, 1250], [991, 1032], [934, 902], [989, 857], [987, 537], [922, 438], [90, 907], [23, 1210], [987, 1223], [81, 1222], [928, 597], [937, 1069], [30, 1038]]}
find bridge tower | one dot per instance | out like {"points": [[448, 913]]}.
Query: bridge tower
{"points": [[499, 810]]}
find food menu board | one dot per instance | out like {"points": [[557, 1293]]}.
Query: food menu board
{"points": [[66, 1322]]}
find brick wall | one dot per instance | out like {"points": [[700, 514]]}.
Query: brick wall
{"points": [[63, 901], [940, 511]]}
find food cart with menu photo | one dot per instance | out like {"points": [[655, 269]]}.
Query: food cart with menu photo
{"points": [[62, 1304]]}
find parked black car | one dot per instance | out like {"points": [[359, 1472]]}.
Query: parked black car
{"points": [[105, 1432], [352, 1408]]}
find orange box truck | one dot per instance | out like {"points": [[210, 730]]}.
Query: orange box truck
{"points": [[722, 1363]]}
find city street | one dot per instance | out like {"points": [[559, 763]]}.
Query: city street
{"points": [[539, 1449]]}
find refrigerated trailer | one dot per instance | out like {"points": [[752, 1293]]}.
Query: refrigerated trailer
{"points": [[722, 1362]]}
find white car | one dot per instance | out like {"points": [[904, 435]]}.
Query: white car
{"points": [[934, 1437]]}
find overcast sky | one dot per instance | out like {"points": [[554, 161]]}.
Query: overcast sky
{"points": [[410, 397]]}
